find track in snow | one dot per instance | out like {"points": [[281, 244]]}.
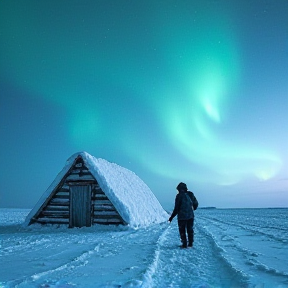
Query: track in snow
{"points": [[251, 244], [148, 257], [96, 257], [231, 249], [200, 266]]}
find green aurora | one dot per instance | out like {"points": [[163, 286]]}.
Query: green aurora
{"points": [[159, 82]]}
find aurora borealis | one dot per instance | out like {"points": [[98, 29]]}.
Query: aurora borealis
{"points": [[192, 91]]}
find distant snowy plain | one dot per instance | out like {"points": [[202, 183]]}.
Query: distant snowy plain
{"points": [[233, 248]]}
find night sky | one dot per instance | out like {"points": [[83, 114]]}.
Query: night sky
{"points": [[192, 91]]}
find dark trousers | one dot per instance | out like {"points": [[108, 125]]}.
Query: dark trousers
{"points": [[186, 226]]}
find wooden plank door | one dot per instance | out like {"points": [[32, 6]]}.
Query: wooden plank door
{"points": [[80, 206]]}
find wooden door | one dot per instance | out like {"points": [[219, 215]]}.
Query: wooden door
{"points": [[80, 206]]}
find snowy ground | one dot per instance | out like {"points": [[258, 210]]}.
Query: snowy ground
{"points": [[233, 248]]}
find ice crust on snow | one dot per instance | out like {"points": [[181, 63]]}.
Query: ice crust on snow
{"points": [[131, 197]]}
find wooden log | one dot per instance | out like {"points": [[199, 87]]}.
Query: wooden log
{"points": [[59, 202], [75, 177], [49, 214], [98, 213], [53, 213], [104, 208], [46, 214], [56, 208], [80, 171], [104, 202], [45, 220], [80, 182]]}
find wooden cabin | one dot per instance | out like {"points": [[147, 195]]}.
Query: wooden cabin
{"points": [[77, 201], [90, 191]]}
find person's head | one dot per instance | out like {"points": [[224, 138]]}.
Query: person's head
{"points": [[181, 187]]}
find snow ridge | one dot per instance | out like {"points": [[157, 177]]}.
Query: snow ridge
{"points": [[151, 270], [223, 255], [245, 245]]}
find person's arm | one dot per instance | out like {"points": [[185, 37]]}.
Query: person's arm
{"points": [[176, 208], [194, 200]]}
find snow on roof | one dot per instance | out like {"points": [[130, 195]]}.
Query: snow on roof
{"points": [[131, 197]]}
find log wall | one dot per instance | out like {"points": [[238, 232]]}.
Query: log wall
{"points": [[57, 210]]}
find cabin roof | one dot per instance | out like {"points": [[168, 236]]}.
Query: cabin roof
{"points": [[131, 197]]}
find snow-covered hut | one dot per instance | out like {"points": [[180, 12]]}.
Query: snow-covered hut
{"points": [[92, 190]]}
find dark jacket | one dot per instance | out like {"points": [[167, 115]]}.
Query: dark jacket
{"points": [[183, 205]]}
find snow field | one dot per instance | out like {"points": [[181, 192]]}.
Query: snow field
{"points": [[252, 241], [200, 266], [100, 256], [232, 248]]}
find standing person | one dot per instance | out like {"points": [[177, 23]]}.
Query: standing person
{"points": [[185, 204]]}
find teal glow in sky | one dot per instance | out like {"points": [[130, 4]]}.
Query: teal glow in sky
{"points": [[192, 91]]}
